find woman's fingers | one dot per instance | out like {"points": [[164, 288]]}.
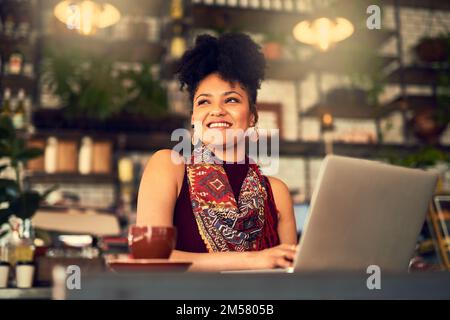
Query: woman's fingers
{"points": [[290, 255], [283, 263]]}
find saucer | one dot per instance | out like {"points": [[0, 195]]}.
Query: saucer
{"points": [[124, 263]]}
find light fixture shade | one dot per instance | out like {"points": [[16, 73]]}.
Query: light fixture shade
{"points": [[86, 16], [323, 32]]}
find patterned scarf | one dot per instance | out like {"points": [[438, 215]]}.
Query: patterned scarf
{"points": [[225, 225]]}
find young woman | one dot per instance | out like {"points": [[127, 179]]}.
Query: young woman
{"points": [[228, 215]]}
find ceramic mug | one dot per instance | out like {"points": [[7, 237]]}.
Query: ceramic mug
{"points": [[151, 242]]}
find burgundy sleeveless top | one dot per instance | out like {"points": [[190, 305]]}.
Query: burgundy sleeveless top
{"points": [[188, 236]]}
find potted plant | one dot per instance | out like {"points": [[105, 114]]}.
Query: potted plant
{"points": [[90, 87], [428, 156], [431, 121], [84, 83], [145, 96], [433, 49], [18, 203]]}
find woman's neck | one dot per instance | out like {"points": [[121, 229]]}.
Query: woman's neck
{"points": [[231, 154]]}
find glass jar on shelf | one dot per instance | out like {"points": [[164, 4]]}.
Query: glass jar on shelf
{"points": [[20, 245]]}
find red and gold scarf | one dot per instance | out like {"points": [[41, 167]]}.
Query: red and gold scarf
{"points": [[225, 225]]}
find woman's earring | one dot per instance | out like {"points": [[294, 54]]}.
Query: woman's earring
{"points": [[255, 132], [194, 139]]}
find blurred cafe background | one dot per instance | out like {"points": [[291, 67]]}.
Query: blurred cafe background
{"points": [[88, 93]]}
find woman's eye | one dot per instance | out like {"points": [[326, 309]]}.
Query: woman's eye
{"points": [[234, 100], [202, 102]]}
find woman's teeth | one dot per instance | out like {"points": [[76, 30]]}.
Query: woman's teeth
{"points": [[219, 125]]}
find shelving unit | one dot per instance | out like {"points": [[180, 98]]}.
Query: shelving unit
{"points": [[439, 220], [20, 36], [73, 178], [416, 75]]}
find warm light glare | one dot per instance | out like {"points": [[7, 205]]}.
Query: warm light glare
{"points": [[323, 32], [327, 119], [177, 47], [86, 16]]}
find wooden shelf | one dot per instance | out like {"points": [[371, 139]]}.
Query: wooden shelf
{"points": [[54, 119], [343, 111], [416, 75], [47, 178], [16, 82], [150, 142], [341, 61], [348, 104], [118, 50], [411, 102], [248, 19]]}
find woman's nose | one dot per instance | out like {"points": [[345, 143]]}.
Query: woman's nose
{"points": [[217, 110]]}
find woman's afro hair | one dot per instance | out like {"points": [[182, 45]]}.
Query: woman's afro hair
{"points": [[235, 56]]}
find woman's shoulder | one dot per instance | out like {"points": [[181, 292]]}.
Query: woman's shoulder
{"points": [[166, 162], [279, 189], [277, 183], [168, 158]]}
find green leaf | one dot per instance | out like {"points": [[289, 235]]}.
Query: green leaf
{"points": [[7, 130], [4, 215], [9, 189], [26, 205]]}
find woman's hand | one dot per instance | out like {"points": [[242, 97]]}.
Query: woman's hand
{"points": [[281, 256]]}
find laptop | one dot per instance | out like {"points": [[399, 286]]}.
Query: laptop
{"points": [[362, 213]]}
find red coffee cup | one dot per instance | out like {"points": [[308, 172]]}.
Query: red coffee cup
{"points": [[151, 242]]}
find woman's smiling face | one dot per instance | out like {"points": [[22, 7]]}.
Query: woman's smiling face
{"points": [[220, 108]]}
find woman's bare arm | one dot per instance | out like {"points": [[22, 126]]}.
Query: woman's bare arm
{"points": [[287, 229], [277, 257], [159, 189]]}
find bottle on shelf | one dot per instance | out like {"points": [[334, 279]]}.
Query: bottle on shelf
{"points": [[50, 155], [23, 29], [85, 156], [19, 113], [20, 245], [15, 63], [6, 107], [28, 70], [8, 27]]}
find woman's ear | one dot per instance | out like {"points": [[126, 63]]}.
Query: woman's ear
{"points": [[252, 120]]}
